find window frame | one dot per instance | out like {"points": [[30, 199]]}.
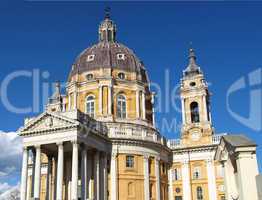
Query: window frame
{"points": [[89, 76], [194, 112], [120, 74], [90, 102], [121, 106], [130, 161], [120, 56], [199, 191], [197, 173], [90, 58]]}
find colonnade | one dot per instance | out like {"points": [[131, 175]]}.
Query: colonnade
{"points": [[82, 166]]}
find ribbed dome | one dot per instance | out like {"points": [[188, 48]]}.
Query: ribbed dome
{"points": [[107, 55]]}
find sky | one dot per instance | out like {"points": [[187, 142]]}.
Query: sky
{"points": [[45, 37]]}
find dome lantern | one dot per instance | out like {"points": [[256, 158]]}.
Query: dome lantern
{"points": [[107, 29]]}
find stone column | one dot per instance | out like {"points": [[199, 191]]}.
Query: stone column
{"points": [[146, 178], [105, 176], [170, 183], [97, 176], [183, 110], [143, 106], [55, 179], [33, 172], [37, 182], [89, 176], [75, 99], [24, 174], [60, 172], [48, 178], [69, 102], [212, 192], [114, 177], [186, 180], [74, 187], [101, 100], [110, 99], [157, 171], [83, 174], [137, 105]]}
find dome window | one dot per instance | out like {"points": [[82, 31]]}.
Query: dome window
{"points": [[89, 77], [90, 58], [193, 84], [121, 75], [120, 56]]}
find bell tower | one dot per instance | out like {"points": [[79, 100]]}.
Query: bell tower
{"points": [[195, 103]]}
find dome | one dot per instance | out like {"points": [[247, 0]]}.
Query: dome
{"points": [[108, 53]]}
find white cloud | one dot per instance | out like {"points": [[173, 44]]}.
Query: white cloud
{"points": [[10, 144], [9, 192], [10, 160], [4, 187]]}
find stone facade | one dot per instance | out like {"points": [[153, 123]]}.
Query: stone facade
{"points": [[99, 140]]}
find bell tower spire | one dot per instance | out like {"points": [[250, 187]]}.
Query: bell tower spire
{"points": [[107, 28], [196, 117]]}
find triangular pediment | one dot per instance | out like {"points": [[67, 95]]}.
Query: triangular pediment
{"points": [[47, 121]]}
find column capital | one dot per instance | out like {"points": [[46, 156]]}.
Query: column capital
{"points": [[37, 146], [114, 155], [146, 157], [75, 142], [59, 143], [157, 158]]}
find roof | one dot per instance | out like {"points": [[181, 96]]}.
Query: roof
{"points": [[106, 56], [238, 141]]}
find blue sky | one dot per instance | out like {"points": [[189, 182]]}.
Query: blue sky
{"points": [[50, 35]]}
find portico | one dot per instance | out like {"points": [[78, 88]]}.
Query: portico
{"points": [[69, 155]]}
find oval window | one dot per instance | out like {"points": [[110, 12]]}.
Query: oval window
{"points": [[89, 76], [121, 75], [192, 84]]}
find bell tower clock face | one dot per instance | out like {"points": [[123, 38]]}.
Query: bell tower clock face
{"points": [[195, 136]]}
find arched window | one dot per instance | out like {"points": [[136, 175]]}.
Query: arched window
{"points": [[121, 106], [194, 112], [199, 193], [90, 106]]}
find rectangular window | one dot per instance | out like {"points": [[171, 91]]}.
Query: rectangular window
{"points": [[130, 161], [197, 173], [176, 174]]}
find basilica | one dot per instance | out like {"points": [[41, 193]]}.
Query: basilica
{"points": [[98, 141]]}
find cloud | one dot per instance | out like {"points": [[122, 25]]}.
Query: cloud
{"points": [[4, 187], [10, 160], [9, 191]]}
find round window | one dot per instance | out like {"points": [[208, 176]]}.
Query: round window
{"points": [[178, 190], [121, 75], [89, 76]]}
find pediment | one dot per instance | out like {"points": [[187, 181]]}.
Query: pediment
{"points": [[47, 122]]}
